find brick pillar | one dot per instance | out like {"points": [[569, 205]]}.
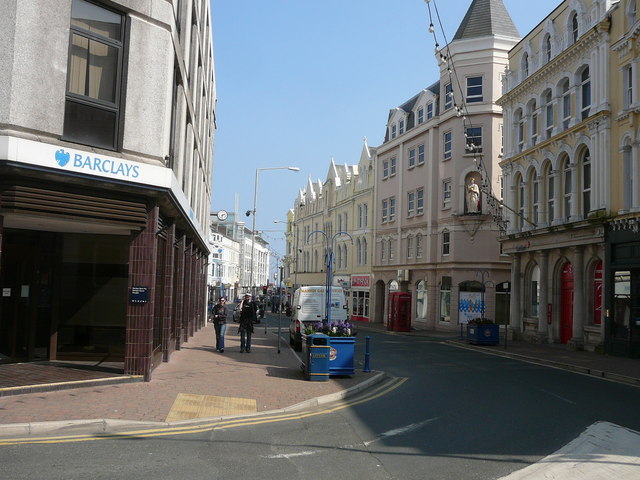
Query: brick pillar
{"points": [[167, 294], [178, 308], [142, 273]]}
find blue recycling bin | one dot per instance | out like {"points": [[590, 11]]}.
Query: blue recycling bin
{"points": [[316, 354], [342, 353]]}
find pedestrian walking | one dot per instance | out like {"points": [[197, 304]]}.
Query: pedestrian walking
{"points": [[248, 316], [220, 323]]}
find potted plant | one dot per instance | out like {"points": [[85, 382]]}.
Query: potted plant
{"points": [[483, 331], [342, 342]]}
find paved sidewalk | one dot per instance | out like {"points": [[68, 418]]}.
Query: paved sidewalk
{"points": [[275, 381]]}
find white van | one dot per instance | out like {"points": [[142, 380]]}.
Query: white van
{"points": [[309, 306]]}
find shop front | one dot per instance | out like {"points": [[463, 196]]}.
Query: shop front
{"points": [[360, 293]]}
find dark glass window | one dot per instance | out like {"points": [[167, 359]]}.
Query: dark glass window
{"points": [[92, 110]]}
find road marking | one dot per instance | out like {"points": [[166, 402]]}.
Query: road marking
{"points": [[376, 392], [289, 455], [400, 431]]}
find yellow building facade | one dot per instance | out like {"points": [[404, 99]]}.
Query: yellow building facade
{"points": [[331, 223], [557, 174]]}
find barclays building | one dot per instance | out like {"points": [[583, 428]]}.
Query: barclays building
{"points": [[107, 123]]}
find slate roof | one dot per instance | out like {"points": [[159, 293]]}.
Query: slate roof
{"points": [[486, 18]]}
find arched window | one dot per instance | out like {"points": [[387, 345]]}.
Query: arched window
{"points": [[525, 65], [383, 250], [519, 191], [534, 196], [549, 183], [364, 251], [585, 170], [410, 246], [547, 48], [566, 188], [566, 103], [548, 113], [358, 252], [533, 119], [585, 92], [518, 121], [627, 179], [574, 28], [419, 246], [345, 252]]}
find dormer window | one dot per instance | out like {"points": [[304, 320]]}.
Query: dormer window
{"points": [[420, 115], [401, 127], [429, 110]]}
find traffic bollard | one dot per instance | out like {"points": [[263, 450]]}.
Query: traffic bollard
{"points": [[367, 354]]}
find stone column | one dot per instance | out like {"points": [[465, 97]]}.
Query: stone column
{"points": [[577, 342], [515, 316], [543, 263]]}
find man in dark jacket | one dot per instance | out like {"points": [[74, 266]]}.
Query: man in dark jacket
{"points": [[220, 323], [248, 312]]}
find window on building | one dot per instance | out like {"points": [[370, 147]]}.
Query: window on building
{"points": [[547, 48], [420, 115], [383, 249], [567, 189], [94, 76], [548, 112], [525, 65], [392, 208], [393, 166], [429, 110], [447, 145], [473, 137], [534, 292], [445, 299], [535, 199], [574, 28], [385, 211], [418, 246], [446, 193], [385, 169], [409, 246], [519, 126], [446, 242], [411, 203], [394, 131], [364, 252], [566, 104], [392, 249], [448, 96], [586, 182], [534, 123], [419, 201], [628, 181], [520, 201], [401, 127], [627, 86], [474, 89], [585, 92], [420, 154], [412, 157], [550, 184]]}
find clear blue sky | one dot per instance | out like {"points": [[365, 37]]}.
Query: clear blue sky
{"points": [[301, 81]]}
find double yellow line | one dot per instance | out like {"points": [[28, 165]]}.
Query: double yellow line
{"points": [[380, 390]]}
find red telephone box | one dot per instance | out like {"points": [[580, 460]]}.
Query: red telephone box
{"points": [[399, 319]]}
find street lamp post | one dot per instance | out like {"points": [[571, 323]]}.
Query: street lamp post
{"points": [[329, 266], [255, 205]]}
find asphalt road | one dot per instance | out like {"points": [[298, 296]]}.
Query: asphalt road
{"points": [[447, 413]]}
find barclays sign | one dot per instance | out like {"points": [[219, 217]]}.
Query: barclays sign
{"points": [[92, 163]]}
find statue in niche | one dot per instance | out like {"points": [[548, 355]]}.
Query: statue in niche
{"points": [[473, 197]]}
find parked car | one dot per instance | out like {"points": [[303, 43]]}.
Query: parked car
{"points": [[309, 306]]}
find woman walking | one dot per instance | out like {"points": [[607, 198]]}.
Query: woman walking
{"points": [[247, 319]]}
